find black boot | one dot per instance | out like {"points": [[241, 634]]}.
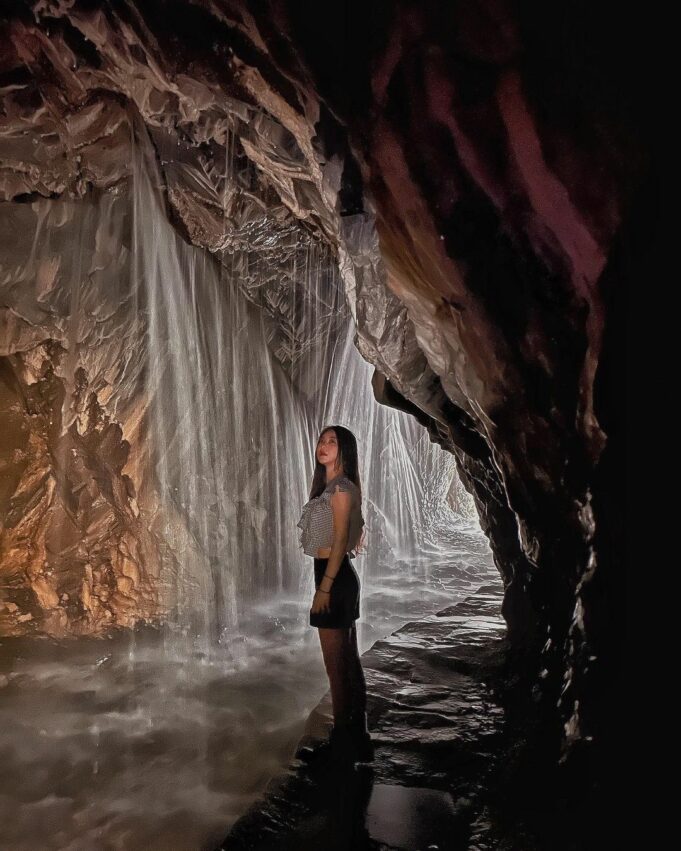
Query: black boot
{"points": [[339, 747], [364, 747]]}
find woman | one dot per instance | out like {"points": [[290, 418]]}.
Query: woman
{"points": [[332, 525]]}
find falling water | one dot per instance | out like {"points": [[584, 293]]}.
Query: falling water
{"points": [[234, 360]]}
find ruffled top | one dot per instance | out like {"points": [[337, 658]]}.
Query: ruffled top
{"points": [[316, 521]]}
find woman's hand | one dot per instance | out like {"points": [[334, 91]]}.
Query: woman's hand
{"points": [[321, 602]]}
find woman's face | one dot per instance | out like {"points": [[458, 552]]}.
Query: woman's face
{"points": [[327, 448]]}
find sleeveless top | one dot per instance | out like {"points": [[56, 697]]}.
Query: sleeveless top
{"points": [[316, 521]]}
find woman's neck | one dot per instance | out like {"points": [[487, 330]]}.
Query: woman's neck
{"points": [[335, 476]]}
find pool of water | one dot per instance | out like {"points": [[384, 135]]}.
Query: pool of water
{"points": [[144, 741]]}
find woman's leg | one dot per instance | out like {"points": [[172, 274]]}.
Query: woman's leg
{"points": [[358, 684], [335, 650]]}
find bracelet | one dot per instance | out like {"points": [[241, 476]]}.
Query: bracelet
{"points": [[330, 578]]}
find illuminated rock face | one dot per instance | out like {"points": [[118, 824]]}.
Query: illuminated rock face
{"points": [[472, 169], [76, 558]]}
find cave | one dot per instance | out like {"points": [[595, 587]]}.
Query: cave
{"points": [[225, 225]]}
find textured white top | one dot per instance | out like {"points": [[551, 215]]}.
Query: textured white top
{"points": [[316, 521]]}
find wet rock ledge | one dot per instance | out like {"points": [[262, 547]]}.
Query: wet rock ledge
{"points": [[453, 768]]}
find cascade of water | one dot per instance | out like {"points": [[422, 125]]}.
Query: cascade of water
{"points": [[240, 487], [225, 427]]}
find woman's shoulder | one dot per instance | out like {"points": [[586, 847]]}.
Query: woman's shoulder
{"points": [[343, 483]]}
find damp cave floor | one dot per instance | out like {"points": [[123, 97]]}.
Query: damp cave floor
{"points": [[439, 780]]}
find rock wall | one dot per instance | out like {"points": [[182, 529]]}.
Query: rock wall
{"points": [[76, 557]]}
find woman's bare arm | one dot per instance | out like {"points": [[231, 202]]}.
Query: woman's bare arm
{"points": [[341, 505]]}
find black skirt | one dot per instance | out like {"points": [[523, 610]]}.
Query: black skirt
{"points": [[344, 597]]}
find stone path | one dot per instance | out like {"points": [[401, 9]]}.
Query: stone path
{"points": [[437, 725]]}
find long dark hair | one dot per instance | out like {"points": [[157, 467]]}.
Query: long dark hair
{"points": [[347, 456]]}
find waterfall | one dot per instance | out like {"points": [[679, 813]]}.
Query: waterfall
{"points": [[237, 400]]}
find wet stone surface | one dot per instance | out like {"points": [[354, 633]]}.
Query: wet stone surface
{"points": [[437, 726]]}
